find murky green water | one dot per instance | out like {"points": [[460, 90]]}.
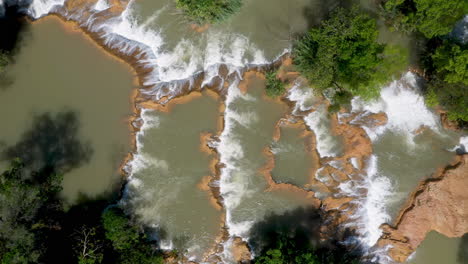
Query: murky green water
{"points": [[438, 249], [163, 191], [58, 73], [251, 119], [294, 157], [407, 164]]}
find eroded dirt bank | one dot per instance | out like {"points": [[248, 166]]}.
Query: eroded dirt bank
{"points": [[439, 204]]}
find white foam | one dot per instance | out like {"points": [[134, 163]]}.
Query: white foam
{"points": [[404, 106], [372, 209], [464, 142], [101, 5], [303, 97], [318, 122], [233, 186], [41, 8], [354, 162]]}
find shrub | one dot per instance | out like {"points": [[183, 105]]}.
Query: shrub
{"points": [[274, 86], [208, 11]]}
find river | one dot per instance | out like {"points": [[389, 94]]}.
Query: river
{"points": [[206, 166]]}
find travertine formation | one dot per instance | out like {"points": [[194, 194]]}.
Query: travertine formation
{"points": [[439, 203]]}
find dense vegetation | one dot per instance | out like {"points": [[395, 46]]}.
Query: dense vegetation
{"points": [[27, 210], [445, 61], [447, 70], [274, 86], [343, 54], [34, 227], [208, 11], [288, 251], [430, 17], [297, 237]]}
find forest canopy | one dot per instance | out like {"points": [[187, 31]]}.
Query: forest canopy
{"points": [[430, 17]]}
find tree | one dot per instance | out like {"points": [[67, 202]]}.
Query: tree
{"points": [[451, 63], [343, 53], [88, 247], [430, 17], [132, 246], [208, 11], [447, 68], [25, 199]]}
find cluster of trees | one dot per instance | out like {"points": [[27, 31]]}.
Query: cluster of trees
{"points": [[208, 11], [288, 251], [298, 237], [447, 71], [28, 212], [445, 59], [432, 18], [35, 228], [343, 56]]}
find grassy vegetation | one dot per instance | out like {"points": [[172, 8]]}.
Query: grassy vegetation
{"points": [[430, 17], [208, 11], [344, 54], [274, 86]]}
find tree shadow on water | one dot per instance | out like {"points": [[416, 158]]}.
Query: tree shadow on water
{"points": [[12, 24], [302, 231], [52, 143], [463, 250]]}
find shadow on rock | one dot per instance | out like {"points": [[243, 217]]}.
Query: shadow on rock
{"points": [[52, 144]]}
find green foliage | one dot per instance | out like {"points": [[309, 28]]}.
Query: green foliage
{"points": [[23, 196], [447, 67], [344, 54], [274, 86], [451, 63], [430, 17], [118, 229], [287, 252], [452, 97], [127, 240], [209, 11]]}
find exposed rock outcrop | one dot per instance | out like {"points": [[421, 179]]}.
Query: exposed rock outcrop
{"points": [[439, 203]]}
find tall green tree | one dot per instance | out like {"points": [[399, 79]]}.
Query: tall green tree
{"points": [[430, 17], [344, 53]]}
